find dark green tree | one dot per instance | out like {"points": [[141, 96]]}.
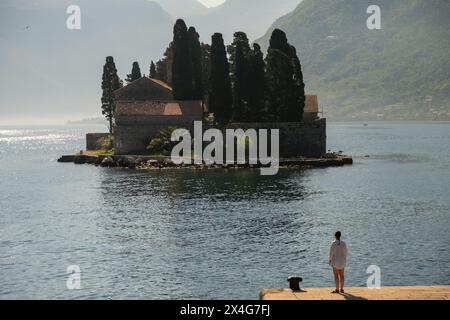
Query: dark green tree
{"points": [[297, 112], [164, 66], [161, 70], [256, 81], [110, 83], [220, 99], [280, 93], [239, 51], [152, 72], [206, 68], [285, 90], [168, 63], [181, 67], [135, 73], [195, 51], [279, 41]]}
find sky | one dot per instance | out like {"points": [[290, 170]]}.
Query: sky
{"points": [[53, 72], [211, 3]]}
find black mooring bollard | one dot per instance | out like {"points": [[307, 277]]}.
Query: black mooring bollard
{"points": [[294, 283]]}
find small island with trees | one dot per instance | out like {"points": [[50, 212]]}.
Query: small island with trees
{"points": [[225, 87]]}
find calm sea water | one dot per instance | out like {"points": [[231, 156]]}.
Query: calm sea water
{"points": [[186, 234]]}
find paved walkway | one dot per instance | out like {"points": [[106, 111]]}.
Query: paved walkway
{"points": [[385, 293]]}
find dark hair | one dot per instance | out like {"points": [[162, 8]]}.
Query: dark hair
{"points": [[338, 235]]}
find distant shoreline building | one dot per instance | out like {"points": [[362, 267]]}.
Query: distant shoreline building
{"points": [[145, 106]]}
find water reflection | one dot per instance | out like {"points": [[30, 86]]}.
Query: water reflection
{"points": [[214, 185], [186, 226]]}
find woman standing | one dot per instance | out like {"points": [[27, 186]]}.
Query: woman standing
{"points": [[338, 261]]}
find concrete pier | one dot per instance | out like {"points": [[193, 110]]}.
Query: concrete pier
{"points": [[362, 293]]}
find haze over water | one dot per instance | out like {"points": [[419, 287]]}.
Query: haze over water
{"points": [[222, 234]]}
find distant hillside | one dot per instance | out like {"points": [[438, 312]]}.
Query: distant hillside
{"points": [[48, 70], [399, 72], [250, 16]]}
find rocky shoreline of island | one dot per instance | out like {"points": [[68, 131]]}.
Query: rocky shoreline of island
{"points": [[144, 162]]}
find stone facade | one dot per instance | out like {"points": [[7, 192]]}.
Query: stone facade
{"points": [[132, 134], [143, 108], [297, 139]]}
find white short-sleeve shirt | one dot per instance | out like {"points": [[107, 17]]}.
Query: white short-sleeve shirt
{"points": [[338, 254]]}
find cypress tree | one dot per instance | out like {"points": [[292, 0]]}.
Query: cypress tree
{"points": [[110, 83], [256, 81], [297, 113], [206, 68], [195, 51], [239, 51], [278, 40], [168, 60], [161, 70], [164, 66], [220, 100], [280, 93], [181, 67], [135, 73], [152, 73], [285, 89]]}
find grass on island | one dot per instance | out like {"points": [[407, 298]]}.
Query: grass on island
{"points": [[99, 152]]}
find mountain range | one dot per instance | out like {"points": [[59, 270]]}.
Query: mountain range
{"points": [[253, 17], [51, 72], [399, 72]]}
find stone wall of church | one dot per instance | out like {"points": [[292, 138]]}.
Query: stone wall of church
{"points": [[297, 139], [303, 139], [134, 133]]}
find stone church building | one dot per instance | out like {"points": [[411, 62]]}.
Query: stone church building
{"points": [[146, 105], [143, 108]]}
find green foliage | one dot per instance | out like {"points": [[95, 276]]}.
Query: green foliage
{"points": [[195, 51], [164, 66], [135, 73], [105, 143], [285, 95], [152, 71], [356, 71], [280, 96], [220, 99], [256, 83], [161, 73], [206, 68], [297, 109], [110, 83], [239, 51], [181, 66], [161, 144]]}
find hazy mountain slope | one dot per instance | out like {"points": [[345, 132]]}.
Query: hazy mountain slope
{"points": [[405, 66], [250, 16], [182, 8], [49, 71]]}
